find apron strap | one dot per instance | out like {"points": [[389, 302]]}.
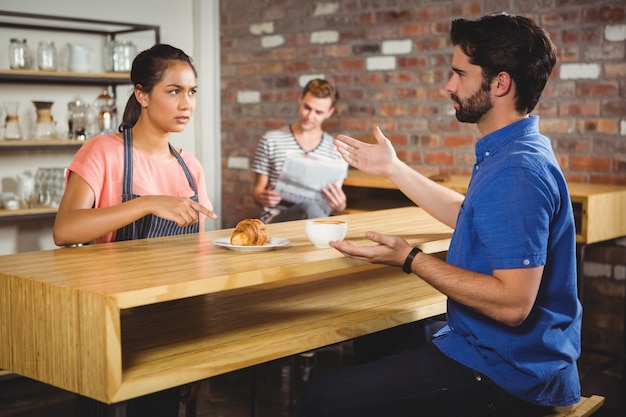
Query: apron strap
{"points": [[127, 185]]}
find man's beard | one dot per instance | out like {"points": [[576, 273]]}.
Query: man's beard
{"points": [[472, 109]]}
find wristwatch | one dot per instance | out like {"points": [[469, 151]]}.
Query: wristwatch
{"points": [[406, 268]]}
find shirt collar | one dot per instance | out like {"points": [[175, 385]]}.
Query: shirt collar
{"points": [[490, 144]]}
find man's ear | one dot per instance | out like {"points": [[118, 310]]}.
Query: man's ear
{"points": [[502, 84]]}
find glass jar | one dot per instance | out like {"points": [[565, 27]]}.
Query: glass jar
{"points": [[123, 55], [19, 54], [47, 56]]}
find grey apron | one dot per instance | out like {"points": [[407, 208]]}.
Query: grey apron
{"points": [[150, 225]]}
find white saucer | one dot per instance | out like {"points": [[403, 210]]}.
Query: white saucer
{"points": [[275, 242]]}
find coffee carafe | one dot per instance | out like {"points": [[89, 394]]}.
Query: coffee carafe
{"points": [[12, 129], [44, 126]]}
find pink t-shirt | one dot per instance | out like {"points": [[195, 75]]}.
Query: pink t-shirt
{"points": [[100, 162]]}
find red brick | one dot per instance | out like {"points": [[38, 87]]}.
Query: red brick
{"points": [[413, 125], [337, 51], [556, 125], [398, 139], [579, 108], [604, 14], [414, 29], [438, 158], [424, 110], [298, 66], [590, 163], [610, 126], [582, 35], [395, 16], [393, 110], [272, 68], [411, 156], [458, 141], [598, 88], [352, 65], [615, 70]]}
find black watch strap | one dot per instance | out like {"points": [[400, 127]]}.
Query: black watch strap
{"points": [[406, 268]]}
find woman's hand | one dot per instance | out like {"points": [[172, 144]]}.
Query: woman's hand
{"points": [[390, 250], [181, 210]]}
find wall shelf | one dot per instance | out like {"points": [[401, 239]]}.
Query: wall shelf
{"points": [[106, 29], [38, 145], [64, 78], [27, 214]]}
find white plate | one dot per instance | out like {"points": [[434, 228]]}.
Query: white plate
{"points": [[275, 242]]}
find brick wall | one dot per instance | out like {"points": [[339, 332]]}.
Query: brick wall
{"points": [[390, 60], [602, 295]]}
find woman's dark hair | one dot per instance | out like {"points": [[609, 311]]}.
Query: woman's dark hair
{"points": [[148, 69], [509, 43]]}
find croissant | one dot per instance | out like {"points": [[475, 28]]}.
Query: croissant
{"points": [[250, 232]]}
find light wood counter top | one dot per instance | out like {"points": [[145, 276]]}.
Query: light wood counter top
{"points": [[120, 320], [599, 209]]}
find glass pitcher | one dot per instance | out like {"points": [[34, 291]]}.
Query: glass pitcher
{"points": [[44, 126], [12, 130]]}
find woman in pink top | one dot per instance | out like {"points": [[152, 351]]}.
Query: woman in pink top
{"points": [[165, 191], [135, 185]]}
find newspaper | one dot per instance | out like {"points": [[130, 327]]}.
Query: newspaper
{"points": [[304, 176]]}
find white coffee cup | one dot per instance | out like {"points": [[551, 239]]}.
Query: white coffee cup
{"points": [[322, 231]]}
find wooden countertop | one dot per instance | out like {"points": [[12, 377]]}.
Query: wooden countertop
{"points": [[154, 270], [598, 208], [115, 321]]}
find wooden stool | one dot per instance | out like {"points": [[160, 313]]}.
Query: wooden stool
{"points": [[586, 407]]}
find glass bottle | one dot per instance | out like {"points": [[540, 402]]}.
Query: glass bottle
{"points": [[19, 54], [47, 56], [12, 130], [77, 119], [106, 115]]}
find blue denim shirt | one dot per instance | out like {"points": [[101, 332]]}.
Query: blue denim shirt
{"points": [[517, 214]]}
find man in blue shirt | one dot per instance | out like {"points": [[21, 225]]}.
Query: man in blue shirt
{"points": [[513, 317]]}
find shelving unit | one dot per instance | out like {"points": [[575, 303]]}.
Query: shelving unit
{"points": [[64, 78], [32, 145], [37, 22]]}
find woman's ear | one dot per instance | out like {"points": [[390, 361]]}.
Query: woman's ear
{"points": [[141, 96]]}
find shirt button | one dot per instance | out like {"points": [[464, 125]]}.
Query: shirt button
{"points": [[526, 262], [487, 153]]}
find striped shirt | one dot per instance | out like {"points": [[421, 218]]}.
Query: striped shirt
{"points": [[274, 146]]}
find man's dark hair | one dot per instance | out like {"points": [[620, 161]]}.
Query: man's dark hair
{"points": [[509, 43]]}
